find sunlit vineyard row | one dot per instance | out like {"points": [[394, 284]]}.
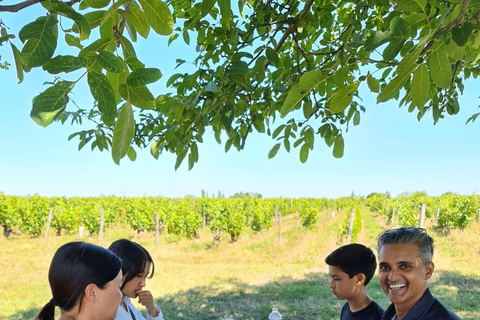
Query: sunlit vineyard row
{"points": [[231, 216]]}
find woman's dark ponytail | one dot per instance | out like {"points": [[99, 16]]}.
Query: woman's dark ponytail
{"points": [[47, 312]]}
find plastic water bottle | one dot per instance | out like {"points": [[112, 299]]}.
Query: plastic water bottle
{"points": [[275, 315]]}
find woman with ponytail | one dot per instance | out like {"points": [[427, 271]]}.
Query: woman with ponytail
{"points": [[85, 281]]}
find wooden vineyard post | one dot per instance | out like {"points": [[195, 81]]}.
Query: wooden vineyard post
{"points": [[478, 215], [422, 216], [278, 216], [100, 233], [157, 229], [350, 226], [49, 220]]}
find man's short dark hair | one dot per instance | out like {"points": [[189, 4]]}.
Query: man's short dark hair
{"points": [[354, 259], [409, 235]]}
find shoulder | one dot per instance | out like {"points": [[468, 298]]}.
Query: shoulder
{"points": [[438, 311], [374, 311]]}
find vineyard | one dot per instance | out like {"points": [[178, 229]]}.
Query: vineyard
{"points": [[228, 216]]}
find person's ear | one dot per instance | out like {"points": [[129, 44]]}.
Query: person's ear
{"points": [[429, 270], [360, 279], [90, 293]]}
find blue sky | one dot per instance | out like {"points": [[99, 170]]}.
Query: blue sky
{"points": [[389, 150]]}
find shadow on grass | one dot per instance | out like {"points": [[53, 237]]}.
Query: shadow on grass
{"points": [[306, 299]]}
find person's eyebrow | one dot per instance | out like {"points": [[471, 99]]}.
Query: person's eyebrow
{"points": [[405, 262]]}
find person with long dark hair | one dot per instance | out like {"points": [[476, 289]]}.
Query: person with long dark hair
{"points": [[137, 267], [85, 281]]}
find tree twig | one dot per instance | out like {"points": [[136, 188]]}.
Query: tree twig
{"points": [[19, 6], [448, 27], [25, 4]]}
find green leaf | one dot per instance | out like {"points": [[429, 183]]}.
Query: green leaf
{"points": [[142, 77], [102, 91], [64, 64], [307, 82], [96, 46], [132, 154], [139, 20], [420, 88], [455, 52], [116, 79], [393, 48], [273, 151], [461, 35], [128, 49], [338, 146], [226, 12], [272, 56], [18, 62], [376, 40], [36, 29], [194, 152], [41, 42], [393, 87], [158, 16], [111, 62], [408, 62], [94, 18], [112, 11], [180, 156], [123, 133], [343, 97], [304, 150], [135, 64], [65, 10], [398, 27], [73, 41], [107, 29], [97, 4], [440, 68], [404, 70], [411, 5], [155, 149], [51, 103], [206, 7], [140, 97], [238, 67], [373, 84], [356, 118], [277, 131]]}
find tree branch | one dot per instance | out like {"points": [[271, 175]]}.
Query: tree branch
{"points": [[22, 5], [293, 27], [19, 6], [448, 27]]}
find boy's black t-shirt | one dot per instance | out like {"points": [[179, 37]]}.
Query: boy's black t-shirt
{"points": [[371, 312]]}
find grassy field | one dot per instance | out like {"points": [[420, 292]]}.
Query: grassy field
{"points": [[245, 279]]}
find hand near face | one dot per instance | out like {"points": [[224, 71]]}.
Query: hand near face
{"points": [[145, 298]]}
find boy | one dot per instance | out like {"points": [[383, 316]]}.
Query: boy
{"points": [[351, 268]]}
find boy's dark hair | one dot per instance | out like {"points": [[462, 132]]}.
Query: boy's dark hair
{"points": [[354, 259], [134, 258]]}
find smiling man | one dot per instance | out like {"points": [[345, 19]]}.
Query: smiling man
{"points": [[405, 266]]}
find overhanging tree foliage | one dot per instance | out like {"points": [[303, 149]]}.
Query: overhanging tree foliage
{"points": [[257, 61]]}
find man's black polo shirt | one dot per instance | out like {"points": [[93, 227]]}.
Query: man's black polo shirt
{"points": [[427, 308]]}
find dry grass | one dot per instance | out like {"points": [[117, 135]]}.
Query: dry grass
{"points": [[244, 279]]}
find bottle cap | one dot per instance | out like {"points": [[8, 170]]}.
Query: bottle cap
{"points": [[274, 309]]}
